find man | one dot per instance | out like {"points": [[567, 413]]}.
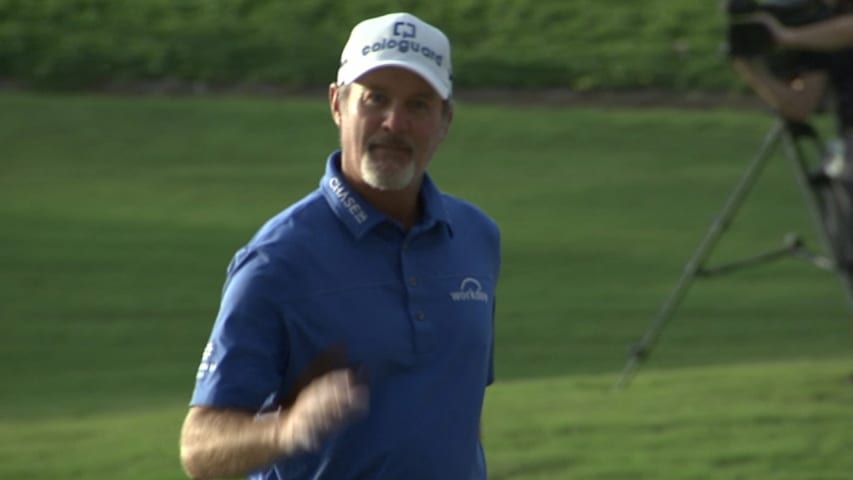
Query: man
{"points": [[826, 71], [829, 67], [354, 337]]}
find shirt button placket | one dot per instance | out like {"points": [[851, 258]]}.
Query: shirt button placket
{"points": [[413, 282], [422, 330]]}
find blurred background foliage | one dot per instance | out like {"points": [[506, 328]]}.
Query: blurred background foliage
{"points": [[583, 45]]}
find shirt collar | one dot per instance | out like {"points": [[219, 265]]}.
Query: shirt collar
{"points": [[360, 217], [435, 210]]}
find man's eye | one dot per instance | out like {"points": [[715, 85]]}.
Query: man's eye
{"points": [[375, 99]]}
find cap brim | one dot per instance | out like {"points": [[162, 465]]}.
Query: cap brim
{"points": [[440, 87]]}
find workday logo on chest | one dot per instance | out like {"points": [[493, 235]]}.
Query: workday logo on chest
{"points": [[470, 290]]}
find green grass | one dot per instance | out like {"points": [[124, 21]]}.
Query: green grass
{"points": [[119, 215], [779, 420], [579, 45]]}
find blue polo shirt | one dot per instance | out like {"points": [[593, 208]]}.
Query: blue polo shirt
{"points": [[412, 310]]}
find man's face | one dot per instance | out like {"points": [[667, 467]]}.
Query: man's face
{"points": [[391, 121]]}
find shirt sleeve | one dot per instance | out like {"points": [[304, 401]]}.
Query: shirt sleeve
{"points": [[496, 261], [245, 358], [490, 376]]}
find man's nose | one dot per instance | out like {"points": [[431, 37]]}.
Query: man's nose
{"points": [[396, 118]]}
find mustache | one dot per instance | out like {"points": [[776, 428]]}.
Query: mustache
{"points": [[390, 140]]}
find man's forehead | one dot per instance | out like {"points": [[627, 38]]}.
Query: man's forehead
{"points": [[392, 79]]}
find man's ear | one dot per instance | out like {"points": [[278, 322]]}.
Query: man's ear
{"points": [[335, 103]]}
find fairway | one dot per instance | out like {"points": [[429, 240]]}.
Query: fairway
{"points": [[119, 216]]}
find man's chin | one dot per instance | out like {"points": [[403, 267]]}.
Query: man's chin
{"points": [[389, 156], [386, 184], [387, 169], [388, 181]]}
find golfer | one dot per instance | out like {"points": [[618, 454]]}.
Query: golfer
{"points": [[354, 338]]}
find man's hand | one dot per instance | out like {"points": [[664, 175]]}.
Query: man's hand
{"points": [[827, 35], [218, 442], [323, 406], [780, 34]]}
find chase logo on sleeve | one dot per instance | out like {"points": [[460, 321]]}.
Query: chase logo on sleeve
{"points": [[206, 366]]}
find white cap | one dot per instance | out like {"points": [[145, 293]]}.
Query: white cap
{"points": [[400, 40]]}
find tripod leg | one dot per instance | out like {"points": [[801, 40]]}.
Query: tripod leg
{"points": [[641, 350], [831, 210], [838, 221]]}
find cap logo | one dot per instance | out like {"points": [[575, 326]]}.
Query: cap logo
{"points": [[404, 29], [399, 40]]}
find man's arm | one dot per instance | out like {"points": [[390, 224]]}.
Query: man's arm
{"points": [[221, 443], [227, 443], [832, 34], [794, 100]]}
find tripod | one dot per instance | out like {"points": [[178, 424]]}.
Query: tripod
{"points": [[833, 228]]}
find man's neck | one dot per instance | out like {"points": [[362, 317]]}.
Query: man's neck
{"points": [[401, 205]]}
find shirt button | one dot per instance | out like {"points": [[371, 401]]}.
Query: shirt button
{"points": [[413, 281], [420, 315]]}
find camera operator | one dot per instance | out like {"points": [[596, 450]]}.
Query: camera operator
{"points": [[829, 69], [825, 70]]}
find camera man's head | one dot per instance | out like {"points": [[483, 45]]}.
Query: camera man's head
{"points": [[751, 37]]}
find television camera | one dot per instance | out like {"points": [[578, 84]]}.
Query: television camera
{"points": [[748, 38]]}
